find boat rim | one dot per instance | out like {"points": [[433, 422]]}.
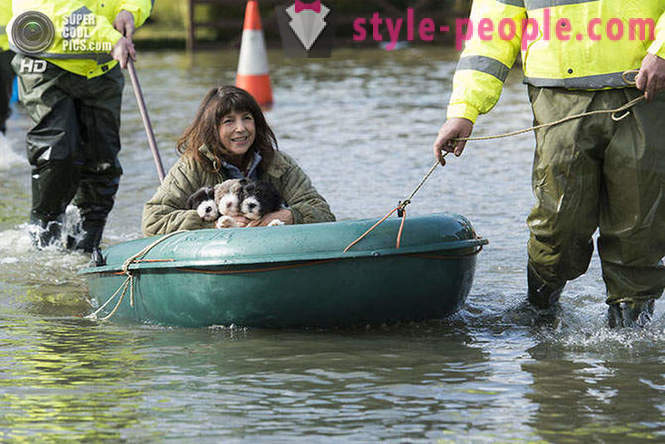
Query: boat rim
{"points": [[165, 263]]}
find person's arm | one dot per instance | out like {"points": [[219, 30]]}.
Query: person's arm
{"points": [[130, 14], [481, 72], [166, 211], [124, 49], [651, 77], [306, 205], [139, 9]]}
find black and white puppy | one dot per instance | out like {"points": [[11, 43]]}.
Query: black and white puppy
{"points": [[228, 197], [258, 199], [203, 201], [236, 197]]}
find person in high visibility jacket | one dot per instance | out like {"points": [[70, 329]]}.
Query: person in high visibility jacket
{"points": [[590, 172], [69, 59], [6, 72]]}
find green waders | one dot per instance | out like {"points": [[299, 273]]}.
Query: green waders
{"points": [[594, 173], [72, 148], [6, 82]]}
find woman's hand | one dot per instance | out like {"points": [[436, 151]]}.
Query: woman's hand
{"points": [[241, 221], [283, 215]]}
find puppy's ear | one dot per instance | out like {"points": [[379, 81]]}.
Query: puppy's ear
{"points": [[194, 199], [237, 186], [249, 188], [218, 191], [209, 193], [199, 196], [272, 201], [190, 202]]}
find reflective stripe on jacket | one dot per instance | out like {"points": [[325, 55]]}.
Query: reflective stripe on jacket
{"points": [[588, 56], [84, 33]]}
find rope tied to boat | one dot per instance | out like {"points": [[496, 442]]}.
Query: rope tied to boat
{"points": [[401, 206], [129, 281]]}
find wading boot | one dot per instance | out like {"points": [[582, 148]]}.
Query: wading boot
{"points": [[89, 243], [92, 236], [636, 314], [542, 294], [97, 258]]}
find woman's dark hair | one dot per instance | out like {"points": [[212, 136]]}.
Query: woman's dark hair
{"points": [[204, 130]]}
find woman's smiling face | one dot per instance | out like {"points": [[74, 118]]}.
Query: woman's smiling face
{"points": [[237, 132]]}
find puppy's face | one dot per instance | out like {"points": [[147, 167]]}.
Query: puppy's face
{"points": [[259, 199], [203, 201], [251, 208], [228, 196]]}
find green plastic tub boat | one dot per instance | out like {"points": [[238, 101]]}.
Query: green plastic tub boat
{"points": [[291, 276]]}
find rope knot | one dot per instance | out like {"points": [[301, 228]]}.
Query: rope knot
{"points": [[401, 207], [128, 284]]}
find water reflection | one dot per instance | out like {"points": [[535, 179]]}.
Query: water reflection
{"points": [[603, 392], [412, 380], [68, 380]]}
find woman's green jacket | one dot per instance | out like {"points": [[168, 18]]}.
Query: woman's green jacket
{"points": [[166, 211]]}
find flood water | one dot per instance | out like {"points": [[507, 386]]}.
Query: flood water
{"points": [[361, 124]]}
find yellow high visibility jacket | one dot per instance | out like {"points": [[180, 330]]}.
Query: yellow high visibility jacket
{"points": [[5, 15], [84, 33], [577, 44]]}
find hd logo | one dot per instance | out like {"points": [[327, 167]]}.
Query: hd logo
{"points": [[34, 66], [307, 29]]}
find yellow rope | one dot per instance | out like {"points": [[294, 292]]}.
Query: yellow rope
{"points": [[129, 282], [93, 316], [625, 107]]}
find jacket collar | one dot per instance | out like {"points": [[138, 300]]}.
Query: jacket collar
{"points": [[277, 167]]}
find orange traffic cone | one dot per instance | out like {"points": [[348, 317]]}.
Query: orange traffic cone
{"points": [[253, 73]]}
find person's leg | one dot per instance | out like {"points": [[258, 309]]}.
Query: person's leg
{"points": [[566, 184], [101, 170], [632, 219], [6, 82], [52, 145]]}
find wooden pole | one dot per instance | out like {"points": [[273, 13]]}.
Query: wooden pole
{"points": [[146, 119]]}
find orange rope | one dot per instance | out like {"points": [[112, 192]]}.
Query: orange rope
{"points": [[370, 230], [259, 270], [401, 228], [154, 260], [445, 257], [306, 264], [401, 207]]}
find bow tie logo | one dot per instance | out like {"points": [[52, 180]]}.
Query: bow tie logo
{"points": [[313, 6]]}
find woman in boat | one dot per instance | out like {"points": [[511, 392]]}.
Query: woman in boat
{"points": [[230, 139]]}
